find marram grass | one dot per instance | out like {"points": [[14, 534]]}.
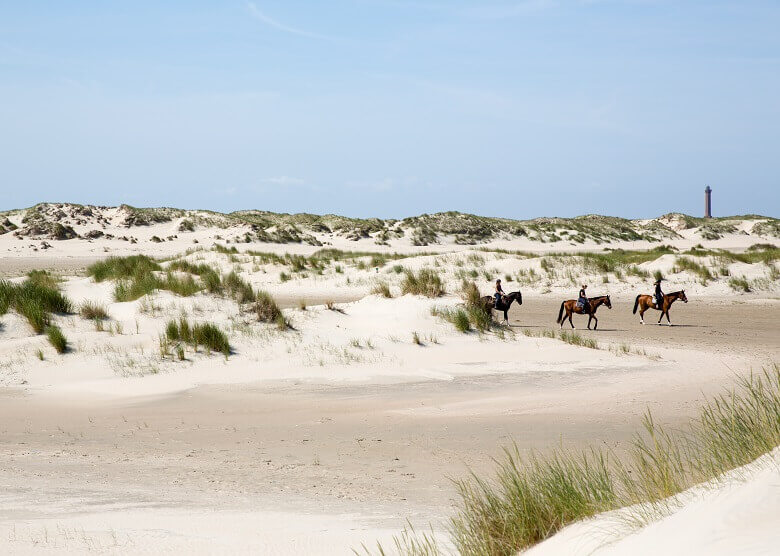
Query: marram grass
{"points": [[530, 498]]}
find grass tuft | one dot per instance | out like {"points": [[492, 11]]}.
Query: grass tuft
{"points": [[57, 338], [266, 308], [531, 498], [426, 282], [382, 288], [92, 310], [204, 334]]}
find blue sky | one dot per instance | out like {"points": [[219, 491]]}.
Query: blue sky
{"points": [[393, 108]]}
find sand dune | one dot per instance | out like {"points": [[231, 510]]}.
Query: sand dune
{"points": [[336, 429]]}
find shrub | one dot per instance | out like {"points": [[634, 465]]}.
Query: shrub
{"points": [[266, 308], [57, 338], [426, 282], [92, 310]]}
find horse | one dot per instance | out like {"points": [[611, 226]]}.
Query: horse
{"points": [[571, 307], [506, 301], [645, 302]]}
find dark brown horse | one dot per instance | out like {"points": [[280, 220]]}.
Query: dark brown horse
{"points": [[571, 307], [645, 302], [504, 304]]}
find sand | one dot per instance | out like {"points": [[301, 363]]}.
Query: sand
{"points": [[333, 434], [736, 515]]}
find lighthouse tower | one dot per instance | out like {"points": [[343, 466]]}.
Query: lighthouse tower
{"points": [[707, 202]]}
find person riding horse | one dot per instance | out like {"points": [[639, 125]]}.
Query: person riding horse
{"points": [[582, 300], [659, 295], [499, 293]]}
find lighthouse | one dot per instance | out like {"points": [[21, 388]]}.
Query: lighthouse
{"points": [[707, 202]]}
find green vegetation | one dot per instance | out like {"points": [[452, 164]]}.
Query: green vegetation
{"points": [[57, 338], [34, 299], [426, 282], [210, 277], [116, 268], [266, 308], [739, 284], [530, 498], [206, 334], [238, 288], [684, 263], [575, 339], [616, 259]]}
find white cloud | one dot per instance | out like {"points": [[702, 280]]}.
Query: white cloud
{"points": [[260, 16]]}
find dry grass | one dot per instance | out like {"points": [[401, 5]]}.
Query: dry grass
{"points": [[382, 288], [92, 310]]}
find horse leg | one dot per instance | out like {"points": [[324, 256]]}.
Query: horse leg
{"points": [[570, 319], [595, 326], [662, 315], [506, 317], [642, 315], [667, 318]]}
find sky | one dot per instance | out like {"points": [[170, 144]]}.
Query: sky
{"points": [[384, 108]]}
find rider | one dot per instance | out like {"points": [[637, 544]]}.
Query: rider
{"points": [[583, 299], [499, 292], [659, 295]]}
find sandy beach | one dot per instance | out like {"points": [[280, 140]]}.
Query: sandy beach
{"points": [[352, 422]]}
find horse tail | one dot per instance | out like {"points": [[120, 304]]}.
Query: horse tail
{"points": [[636, 303], [560, 313]]}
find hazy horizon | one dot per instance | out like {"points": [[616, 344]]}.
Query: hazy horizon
{"points": [[390, 108]]}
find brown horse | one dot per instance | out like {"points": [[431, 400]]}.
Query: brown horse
{"points": [[645, 302], [571, 307], [504, 304]]}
